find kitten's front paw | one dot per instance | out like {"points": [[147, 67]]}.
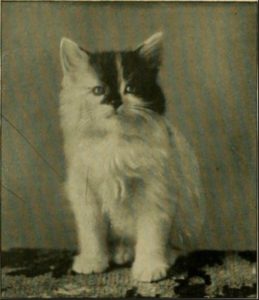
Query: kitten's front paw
{"points": [[86, 265], [148, 272], [122, 254]]}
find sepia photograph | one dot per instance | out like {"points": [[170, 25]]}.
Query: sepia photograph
{"points": [[129, 149]]}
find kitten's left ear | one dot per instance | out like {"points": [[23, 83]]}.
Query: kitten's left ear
{"points": [[71, 55], [152, 49]]}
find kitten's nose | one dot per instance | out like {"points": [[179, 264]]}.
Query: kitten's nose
{"points": [[116, 103]]}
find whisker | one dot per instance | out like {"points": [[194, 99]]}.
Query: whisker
{"points": [[139, 108]]}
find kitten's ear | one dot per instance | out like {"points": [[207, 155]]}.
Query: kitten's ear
{"points": [[152, 48], [71, 56]]}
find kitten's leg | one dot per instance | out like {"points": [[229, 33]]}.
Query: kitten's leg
{"points": [[151, 262], [91, 229]]}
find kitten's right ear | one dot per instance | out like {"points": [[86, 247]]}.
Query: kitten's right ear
{"points": [[71, 56], [151, 49]]}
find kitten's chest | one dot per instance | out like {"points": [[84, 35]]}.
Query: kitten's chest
{"points": [[113, 157]]}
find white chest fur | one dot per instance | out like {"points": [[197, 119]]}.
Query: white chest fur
{"points": [[117, 170]]}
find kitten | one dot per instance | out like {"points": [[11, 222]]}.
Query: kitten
{"points": [[132, 180]]}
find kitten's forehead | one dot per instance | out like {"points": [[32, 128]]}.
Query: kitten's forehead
{"points": [[104, 64], [120, 77], [111, 65]]}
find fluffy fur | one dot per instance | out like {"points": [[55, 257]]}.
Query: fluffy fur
{"points": [[132, 179]]}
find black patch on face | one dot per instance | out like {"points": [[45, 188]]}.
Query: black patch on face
{"points": [[104, 64], [136, 71], [143, 76]]}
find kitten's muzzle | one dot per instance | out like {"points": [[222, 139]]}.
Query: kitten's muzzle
{"points": [[115, 103]]}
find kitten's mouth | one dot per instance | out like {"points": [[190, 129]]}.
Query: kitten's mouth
{"points": [[114, 113]]}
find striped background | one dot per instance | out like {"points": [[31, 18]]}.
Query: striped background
{"points": [[209, 78]]}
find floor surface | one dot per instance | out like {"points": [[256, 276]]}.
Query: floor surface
{"points": [[46, 273]]}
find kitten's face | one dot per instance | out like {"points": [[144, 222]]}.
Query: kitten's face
{"points": [[112, 86]]}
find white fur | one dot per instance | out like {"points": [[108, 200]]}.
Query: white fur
{"points": [[132, 180]]}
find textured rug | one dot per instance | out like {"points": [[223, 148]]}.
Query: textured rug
{"points": [[46, 273]]}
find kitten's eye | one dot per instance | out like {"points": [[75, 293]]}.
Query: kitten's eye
{"points": [[130, 89], [99, 90]]}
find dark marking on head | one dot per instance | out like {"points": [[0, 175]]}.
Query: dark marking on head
{"points": [[104, 63], [136, 70]]}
